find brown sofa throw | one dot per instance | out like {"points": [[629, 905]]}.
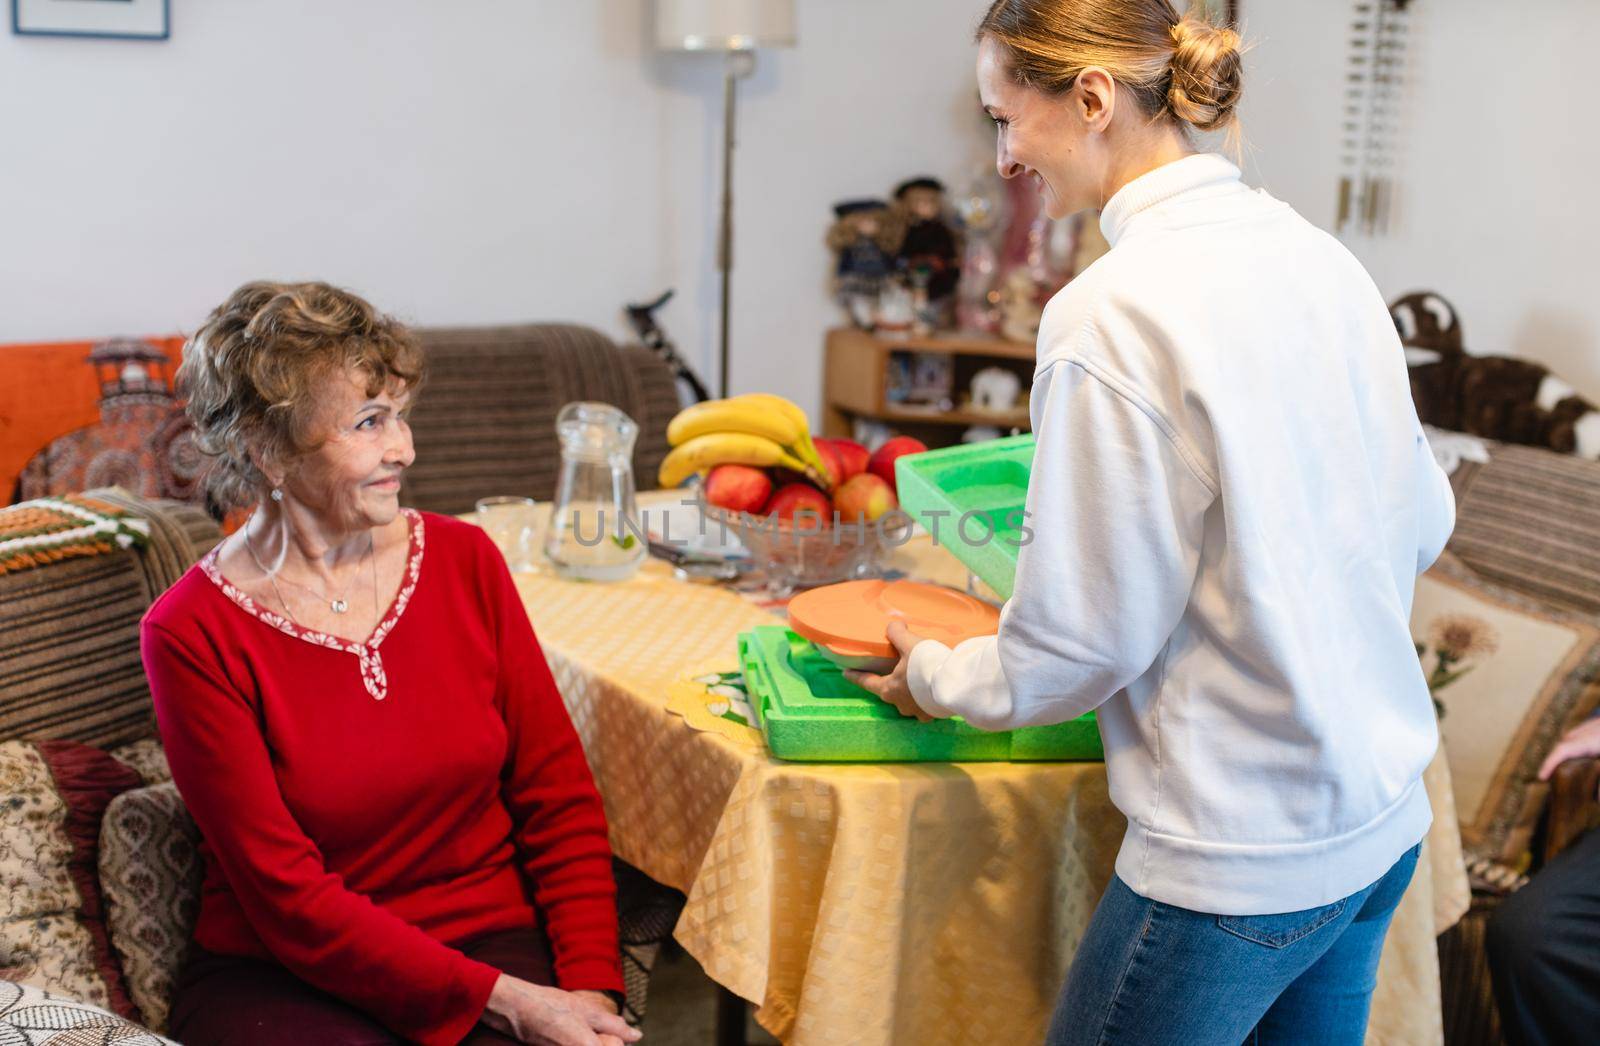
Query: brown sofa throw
{"points": [[52, 923], [485, 422], [38, 532], [1530, 520], [1510, 677], [69, 630]]}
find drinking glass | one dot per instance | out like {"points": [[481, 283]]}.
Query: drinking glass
{"points": [[510, 523]]}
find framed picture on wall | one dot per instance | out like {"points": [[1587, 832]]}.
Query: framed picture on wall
{"points": [[126, 19]]}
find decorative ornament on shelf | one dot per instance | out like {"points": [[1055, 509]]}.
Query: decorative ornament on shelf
{"points": [[981, 210], [865, 237], [933, 380], [995, 390], [928, 252], [897, 310], [1020, 310]]}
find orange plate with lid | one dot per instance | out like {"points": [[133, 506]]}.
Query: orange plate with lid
{"points": [[852, 619]]}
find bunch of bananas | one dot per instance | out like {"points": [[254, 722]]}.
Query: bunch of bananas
{"points": [[756, 429]]}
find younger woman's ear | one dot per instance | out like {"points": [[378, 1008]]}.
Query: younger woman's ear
{"points": [[1097, 97]]}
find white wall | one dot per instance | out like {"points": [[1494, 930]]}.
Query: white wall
{"points": [[456, 162], [1498, 173], [533, 159], [489, 162]]}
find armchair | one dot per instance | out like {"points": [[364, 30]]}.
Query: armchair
{"points": [[1574, 805]]}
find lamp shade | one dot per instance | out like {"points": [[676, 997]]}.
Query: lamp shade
{"points": [[724, 25]]}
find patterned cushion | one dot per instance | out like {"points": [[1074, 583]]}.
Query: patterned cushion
{"points": [[1510, 676], [31, 1016], [147, 758], [52, 929], [150, 872]]}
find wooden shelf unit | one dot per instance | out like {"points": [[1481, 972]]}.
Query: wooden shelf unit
{"points": [[856, 377]]}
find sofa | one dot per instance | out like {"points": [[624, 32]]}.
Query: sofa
{"points": [[1528, 531], [485, 422], [103, 843]]}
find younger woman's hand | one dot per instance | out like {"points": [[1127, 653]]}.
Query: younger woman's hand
{"points": [[544, 1016], [894, 688]]}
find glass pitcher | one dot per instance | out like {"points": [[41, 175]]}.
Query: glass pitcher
{"points": [[595, 533]]}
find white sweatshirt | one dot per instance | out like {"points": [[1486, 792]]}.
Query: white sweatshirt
{"points": [[1230, 501]]}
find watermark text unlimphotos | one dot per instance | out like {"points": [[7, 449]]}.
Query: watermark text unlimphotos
{"points": [[974, 529]]}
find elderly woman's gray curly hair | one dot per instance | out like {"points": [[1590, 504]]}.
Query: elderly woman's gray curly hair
{"points": [[252, 371]]}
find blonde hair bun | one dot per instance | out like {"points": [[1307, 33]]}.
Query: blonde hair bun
{"points": [[1207, 74]]}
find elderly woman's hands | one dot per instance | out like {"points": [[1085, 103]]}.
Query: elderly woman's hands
{"points": [[893, 687], [542, 1016], [605, 1004]]}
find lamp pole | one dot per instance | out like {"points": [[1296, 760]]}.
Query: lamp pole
{"points": [[736, 28], [739, 65]]}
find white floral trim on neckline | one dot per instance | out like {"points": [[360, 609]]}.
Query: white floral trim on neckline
{"points": [[373, 676]]}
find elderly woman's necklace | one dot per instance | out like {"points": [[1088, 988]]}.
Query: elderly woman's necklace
{"points": [[338, 605]]}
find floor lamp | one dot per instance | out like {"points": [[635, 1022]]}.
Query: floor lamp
{"points": [[734, 28]]}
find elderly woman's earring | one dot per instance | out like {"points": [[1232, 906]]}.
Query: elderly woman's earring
{"points": [[277, 494]]}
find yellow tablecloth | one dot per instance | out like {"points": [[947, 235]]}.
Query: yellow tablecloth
{"points": [[926, 903]]}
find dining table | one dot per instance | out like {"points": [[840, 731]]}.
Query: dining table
{"points": [[892, 903]]}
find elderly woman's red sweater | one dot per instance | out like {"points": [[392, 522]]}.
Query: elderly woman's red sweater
{"points": [[364, 805]]}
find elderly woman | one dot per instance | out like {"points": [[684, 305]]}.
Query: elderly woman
{"points": [[402, 840]]}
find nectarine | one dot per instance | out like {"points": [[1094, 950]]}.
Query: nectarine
{"points": [[883, 459], [864, 497], [738, 488]]}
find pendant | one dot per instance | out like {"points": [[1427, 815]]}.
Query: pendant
{"points": [[339, 606]]}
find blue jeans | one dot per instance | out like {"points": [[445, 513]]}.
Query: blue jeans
{"points": [[1149, 973]]}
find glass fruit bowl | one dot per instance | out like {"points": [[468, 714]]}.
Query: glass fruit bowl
{"points": [[810, 551]]}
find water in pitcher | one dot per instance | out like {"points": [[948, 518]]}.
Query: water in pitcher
{"points": [[595, 533]]}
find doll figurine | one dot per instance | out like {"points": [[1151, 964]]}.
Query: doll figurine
{"points": [[929, 250], [865, 237]]}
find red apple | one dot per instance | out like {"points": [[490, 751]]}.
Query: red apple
{"points": [[738, 488], [852, 456], [883, 459], [864, 497], [801, 497]]}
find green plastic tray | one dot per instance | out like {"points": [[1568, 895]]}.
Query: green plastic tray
{"points": [[811, 713], [987, 480]]}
